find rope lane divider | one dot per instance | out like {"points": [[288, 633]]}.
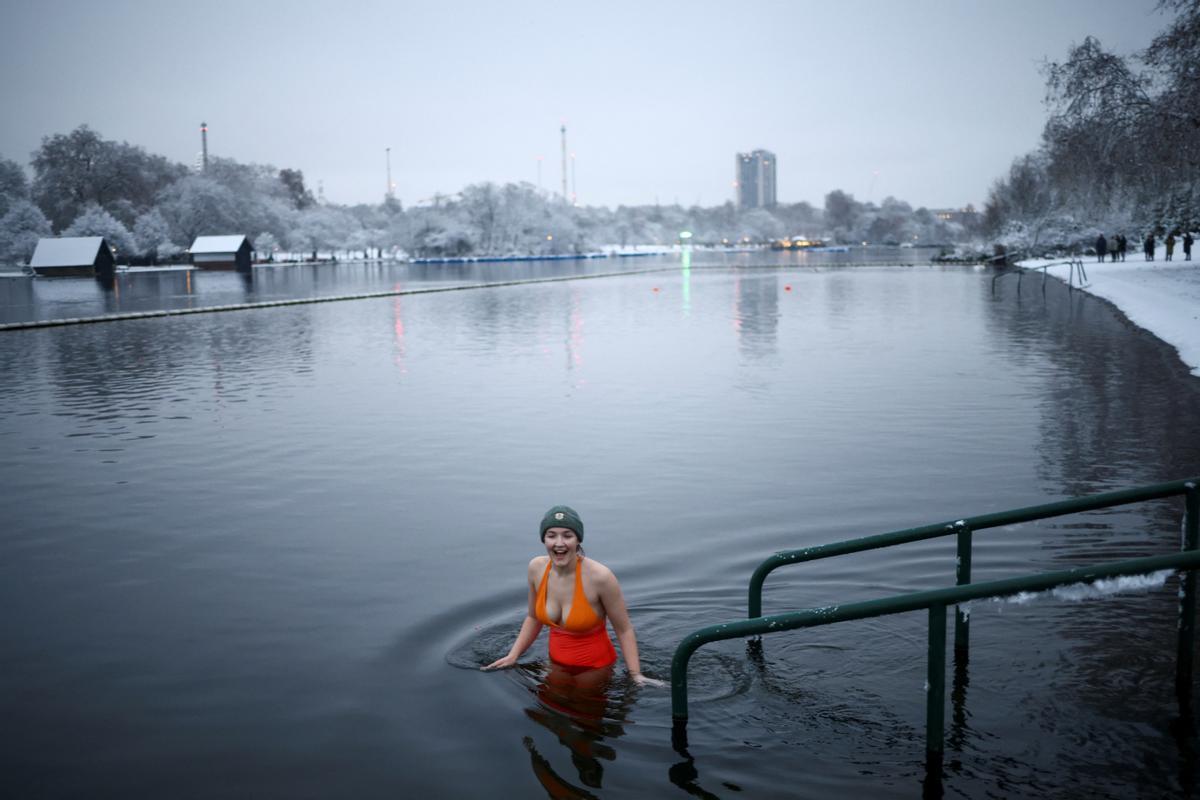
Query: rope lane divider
{"points": [[179, 312]]}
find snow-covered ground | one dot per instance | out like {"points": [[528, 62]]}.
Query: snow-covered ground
{"points": [[1161, 296]]}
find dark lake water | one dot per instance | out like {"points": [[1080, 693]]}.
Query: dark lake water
{"points": [[260, 553]]}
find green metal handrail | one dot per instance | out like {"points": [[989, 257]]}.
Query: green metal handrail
{"points": [[1076, 268], [936, 601], [963, 528]]}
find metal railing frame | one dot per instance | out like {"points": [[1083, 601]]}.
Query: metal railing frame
{"points": [[1075, 263], [963, 529], [936, 601]]}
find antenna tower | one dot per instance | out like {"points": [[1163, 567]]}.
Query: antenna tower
{"points": [[204, 147], [391, 187], [564, 161]]}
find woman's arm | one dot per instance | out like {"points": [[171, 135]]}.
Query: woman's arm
{"points": [[529, 632], [530, 628], [614, 606]]}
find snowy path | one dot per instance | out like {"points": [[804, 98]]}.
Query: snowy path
{"points": [[1161, 296]]}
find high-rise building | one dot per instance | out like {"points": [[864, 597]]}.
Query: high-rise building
{"points": [[754, 179]]}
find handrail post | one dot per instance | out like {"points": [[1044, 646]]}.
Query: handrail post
{"points": [[679, 667], [962, 574], [756, 586], [935, 680], [1187, 598]]}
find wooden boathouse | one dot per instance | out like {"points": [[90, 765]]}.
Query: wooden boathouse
{"points": [[89, 256], [222, 252]]}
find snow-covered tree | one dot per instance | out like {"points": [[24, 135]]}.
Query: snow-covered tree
{"points": [[481, 205], [261, 200], [892, 223], [76, 169], [759, 225], [443, 235], [197, 206], [293, 182], [20, 230], [521, 220], [842, 213], [14, 185], [320, 228], [265, 245], [95, 221], [81, 168], [1121, 148], [153, 236], [1024, 204]]}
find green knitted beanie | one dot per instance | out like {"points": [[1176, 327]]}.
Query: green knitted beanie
{"points": [[562, 517]]}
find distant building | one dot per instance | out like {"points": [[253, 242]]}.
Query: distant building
{"points": [[963, 216], [73, 255], [222, 252], [754, 179]]}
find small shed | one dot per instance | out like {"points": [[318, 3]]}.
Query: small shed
{"points": [[73, 255], [222, 252]]}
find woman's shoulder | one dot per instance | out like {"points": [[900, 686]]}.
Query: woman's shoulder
{"points": [[538, 563], [597, 571]]}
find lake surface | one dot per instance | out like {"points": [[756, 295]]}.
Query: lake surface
{"points": [[261, 553], [24, 299]]}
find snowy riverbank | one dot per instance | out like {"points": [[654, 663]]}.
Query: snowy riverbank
{"points": [[1161, 296]]}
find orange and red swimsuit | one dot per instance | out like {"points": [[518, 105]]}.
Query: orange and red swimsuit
{"points": [[580, 640]]}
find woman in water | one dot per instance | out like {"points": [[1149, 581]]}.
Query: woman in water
{"points": [[574, 595]]}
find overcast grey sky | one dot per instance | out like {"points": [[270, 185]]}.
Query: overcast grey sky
{"points": [[926, 100]]}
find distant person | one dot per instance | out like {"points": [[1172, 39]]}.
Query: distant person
{"points": [[1170, 245], [1187, 246], [1148, 246], [1116, 244], [576, 597], [1122, 245], [1101, 247]]}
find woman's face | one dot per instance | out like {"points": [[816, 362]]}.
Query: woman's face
{"points": [[562, 545]]}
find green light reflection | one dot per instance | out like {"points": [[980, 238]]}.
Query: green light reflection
{"points": [[687, 280]]}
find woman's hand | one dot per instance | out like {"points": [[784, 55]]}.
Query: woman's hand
{"points": [[642, 680], [501, 663], [530, 629]]}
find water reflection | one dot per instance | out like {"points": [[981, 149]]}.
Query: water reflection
{"points": [[957, 735], [686, 280], [756, 312], [113, 377], [1096, 434], [574, 340], [583, 709], [398, 331], [123, 292], [15, 293]]}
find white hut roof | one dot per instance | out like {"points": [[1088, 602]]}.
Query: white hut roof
{"points": [[67, 251], [217, 244]]}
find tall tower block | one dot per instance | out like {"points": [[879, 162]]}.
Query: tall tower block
{"points": [[754, 179]]}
